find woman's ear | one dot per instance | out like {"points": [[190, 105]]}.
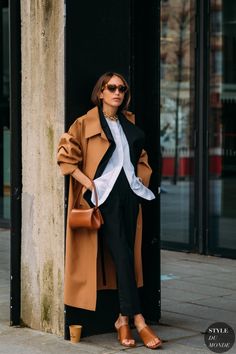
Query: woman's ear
{"points": [[101, 96]]}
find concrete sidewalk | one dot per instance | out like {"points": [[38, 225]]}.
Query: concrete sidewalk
{"points": [[196, 292]]}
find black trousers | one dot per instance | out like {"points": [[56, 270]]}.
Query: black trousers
{"points": [[120, 212]]}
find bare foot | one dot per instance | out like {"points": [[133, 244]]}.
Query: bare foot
{"points": [[121, 321], [150, 339]]}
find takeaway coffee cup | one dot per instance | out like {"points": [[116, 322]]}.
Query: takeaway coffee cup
{"points": [[75, 333]]}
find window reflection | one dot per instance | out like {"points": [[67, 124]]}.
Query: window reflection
{"points": [[177, 94], [222, 125]]}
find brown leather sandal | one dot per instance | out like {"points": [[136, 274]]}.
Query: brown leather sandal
{"points": [[147, 335], [124, 333]]}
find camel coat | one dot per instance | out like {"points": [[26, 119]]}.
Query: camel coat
{"points": [[84, 146]]}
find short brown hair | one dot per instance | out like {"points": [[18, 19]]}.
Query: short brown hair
{"points": [[102, 81]]}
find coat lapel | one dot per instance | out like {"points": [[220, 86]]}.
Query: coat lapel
{"points": [[108, 154], [135, 138], [96, 125], [93, 126]]}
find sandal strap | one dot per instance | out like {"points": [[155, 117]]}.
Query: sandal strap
{"points": [[147, 334], [124, 332]]}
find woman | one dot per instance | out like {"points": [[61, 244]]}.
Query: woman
{"points": [[105, 146]]}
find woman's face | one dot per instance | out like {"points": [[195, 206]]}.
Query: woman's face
{"points": [[113, 94]]}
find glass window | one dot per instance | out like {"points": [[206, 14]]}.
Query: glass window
{"points": [[222, 127], [177, 95]]}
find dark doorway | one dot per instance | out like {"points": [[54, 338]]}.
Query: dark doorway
{"points": [[120, 37], [16, 157], [4, 117]]}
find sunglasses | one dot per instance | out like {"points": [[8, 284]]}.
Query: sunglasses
{"points": [[113, 88]]}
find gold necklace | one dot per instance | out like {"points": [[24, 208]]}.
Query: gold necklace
{"points": [[114, 117]]}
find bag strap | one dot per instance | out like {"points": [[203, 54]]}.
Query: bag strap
{"points": [[96, 194]]}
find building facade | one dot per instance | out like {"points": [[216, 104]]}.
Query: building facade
{"points": [[191, 163]]}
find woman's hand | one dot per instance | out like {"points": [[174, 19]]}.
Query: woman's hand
{"points": [[90, 186], [83, 179]]}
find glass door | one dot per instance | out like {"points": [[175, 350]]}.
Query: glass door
{"points": [[177, 65], [222, 129]]}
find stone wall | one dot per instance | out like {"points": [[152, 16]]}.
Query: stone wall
{"points": [[43, 186]]}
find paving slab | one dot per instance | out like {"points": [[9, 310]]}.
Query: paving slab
{"points": [[27, 341], [218, 303], [185, 296], [196, 341], [174, 256], [203, 312], [187, 322], [219, 282], [198, 289], [231, 297], [182, 271]]}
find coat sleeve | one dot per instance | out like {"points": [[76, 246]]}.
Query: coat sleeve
{"points": [[144, 170], [69, 155]]}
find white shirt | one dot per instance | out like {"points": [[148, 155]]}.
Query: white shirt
{"points": [[120, 158]]}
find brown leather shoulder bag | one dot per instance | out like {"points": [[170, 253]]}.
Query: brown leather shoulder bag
{"points": [[86, 218]]}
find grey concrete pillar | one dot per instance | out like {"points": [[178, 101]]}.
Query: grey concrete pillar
{"points": [[43, 186]]}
